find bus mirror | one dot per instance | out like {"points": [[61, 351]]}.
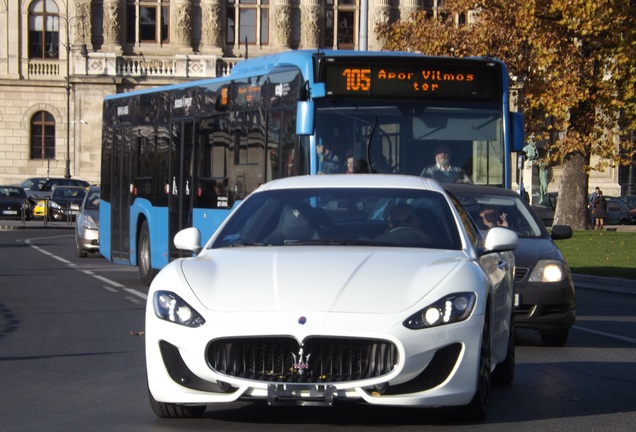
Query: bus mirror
{"points": [[318, 90], [517, 132], [305, 118]]}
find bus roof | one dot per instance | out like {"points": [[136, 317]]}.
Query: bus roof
{"points": [[302, 59]]}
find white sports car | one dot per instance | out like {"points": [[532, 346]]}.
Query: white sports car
{"points": [[318, 289]]}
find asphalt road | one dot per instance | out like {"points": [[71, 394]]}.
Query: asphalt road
{"points": [[71, 358]]}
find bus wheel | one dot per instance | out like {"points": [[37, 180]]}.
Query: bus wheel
{"points": [[146, 272]]}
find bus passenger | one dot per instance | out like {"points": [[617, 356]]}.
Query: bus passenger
{"points": [[442, 170], [329, 162]]}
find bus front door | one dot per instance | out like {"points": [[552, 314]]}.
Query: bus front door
{"points": [[120, 200], [182, 185]]}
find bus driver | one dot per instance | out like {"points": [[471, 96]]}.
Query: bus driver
{"points": [[442, 170]]}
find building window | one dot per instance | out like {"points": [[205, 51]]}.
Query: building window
{"points": [[248, 20], [147, 21], [44, 25], [42, 136], [340, 24]]}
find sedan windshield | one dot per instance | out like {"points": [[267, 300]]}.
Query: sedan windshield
{"points": [[342, 216]]}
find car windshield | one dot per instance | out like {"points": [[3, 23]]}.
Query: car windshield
{"points": [[10, 192], [342, 216], [68, 192], [92, 201], [499, 210]]}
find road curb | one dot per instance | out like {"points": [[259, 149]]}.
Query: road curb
{"points": [[607, 284]]}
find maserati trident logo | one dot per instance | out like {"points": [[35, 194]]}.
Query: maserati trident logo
{"points": [[301, 362]]}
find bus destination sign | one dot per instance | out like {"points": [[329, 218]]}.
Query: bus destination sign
{"points": [[413, 79]]}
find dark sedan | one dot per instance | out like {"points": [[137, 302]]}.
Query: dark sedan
{"points": [[62, 199], [544, 291], [14, 203]]}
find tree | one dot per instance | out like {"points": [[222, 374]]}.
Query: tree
{"points": [[574, 61]]}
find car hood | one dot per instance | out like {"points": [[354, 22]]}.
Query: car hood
{"points": [[350, 279], [11, 202], [531, 250]]}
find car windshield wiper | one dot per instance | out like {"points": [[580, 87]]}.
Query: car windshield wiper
{"points": [[336, 242], [247, 244]]}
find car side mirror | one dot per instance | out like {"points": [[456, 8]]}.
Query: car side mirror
{"points": [[500, 239], [188, 239], [561, 232]]}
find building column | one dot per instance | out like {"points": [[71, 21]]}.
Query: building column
{"points": [[408, 7], [282, 24], [309, 27], [211, 28], [381, 15], [112, 27], [181, 26]]}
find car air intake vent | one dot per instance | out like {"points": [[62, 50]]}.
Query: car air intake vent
{"points": [[521, 273], [318, 360]]}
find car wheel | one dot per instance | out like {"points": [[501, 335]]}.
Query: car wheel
{"points": [[170, 410], [477, 409], [146, 272], [555, 338]]}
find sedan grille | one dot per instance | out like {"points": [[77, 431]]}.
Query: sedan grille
{"points": [[521, 273], [317, 360]]}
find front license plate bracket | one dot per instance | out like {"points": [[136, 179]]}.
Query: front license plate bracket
{"points": [[300, 395]]}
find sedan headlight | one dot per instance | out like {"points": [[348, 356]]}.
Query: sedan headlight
{"points": [[54, 205], [548, 271], [450, 309], [171, 307]]}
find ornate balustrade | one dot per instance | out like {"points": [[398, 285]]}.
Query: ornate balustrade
{"points": [[113, 65]]}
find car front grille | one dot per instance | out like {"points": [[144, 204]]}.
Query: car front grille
{"points": [[521, 273], [317, 360]]}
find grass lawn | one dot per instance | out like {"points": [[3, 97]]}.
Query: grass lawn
{"points": [[601, 253]]}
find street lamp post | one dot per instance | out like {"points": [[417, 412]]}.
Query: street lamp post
{"points": [[67, 20], [67, 173]]}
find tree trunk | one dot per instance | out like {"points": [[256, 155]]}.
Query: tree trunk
{"points": [[573, 198]]}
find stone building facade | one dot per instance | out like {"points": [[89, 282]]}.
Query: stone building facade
{"points": [[59, 58]]}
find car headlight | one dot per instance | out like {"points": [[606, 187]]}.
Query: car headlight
{"points": [[548, 271], [54, 205], [450, 309], [171, 307], [89, 223]]}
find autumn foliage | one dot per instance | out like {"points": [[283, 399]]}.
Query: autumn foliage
{"points": [[574, 62]]}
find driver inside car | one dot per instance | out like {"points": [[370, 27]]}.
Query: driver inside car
{"points": [[404, 226]]}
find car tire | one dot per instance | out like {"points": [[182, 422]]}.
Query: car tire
{"points": [[146, 272], [555, 338], [170, 410], [477, 409]]}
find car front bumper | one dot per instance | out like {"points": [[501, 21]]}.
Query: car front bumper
{"points": [[544, 305], [434, 367]]}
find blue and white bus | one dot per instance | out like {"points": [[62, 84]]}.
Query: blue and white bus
{"points": [[183, 155]]}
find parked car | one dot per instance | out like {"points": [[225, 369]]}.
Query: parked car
{"points": [[544, 290], [617, 212], [38, 188], [630, 200], [14, 203], [87, 224], [62, 199], [321, 289]]}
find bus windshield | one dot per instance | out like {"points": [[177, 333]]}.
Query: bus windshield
{"points": [[461, 144]]}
